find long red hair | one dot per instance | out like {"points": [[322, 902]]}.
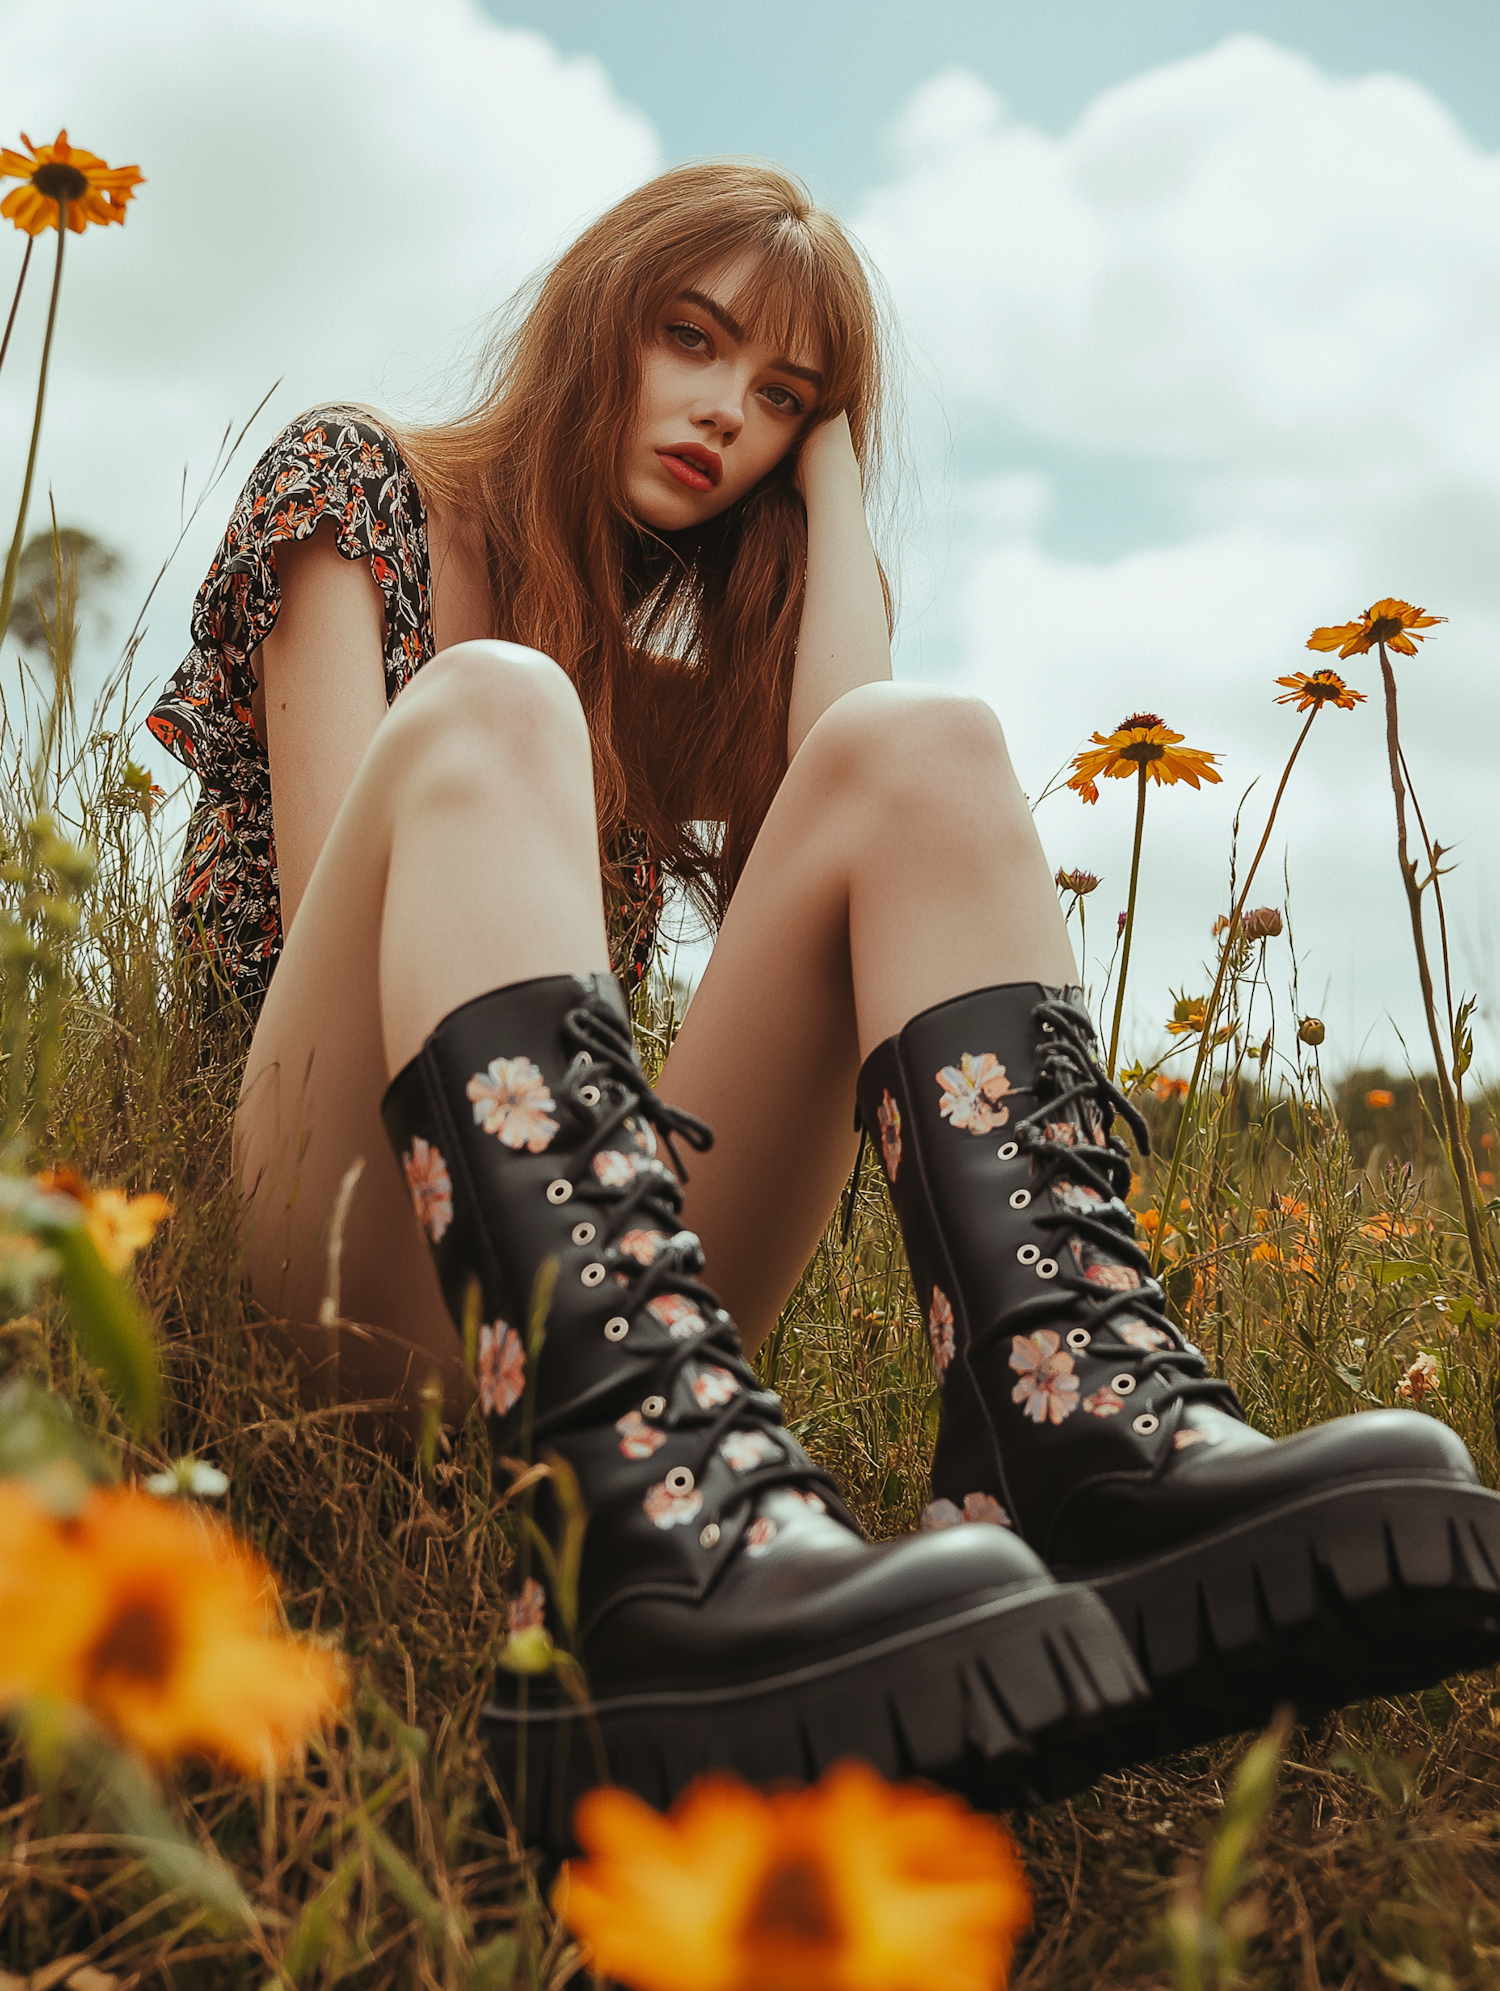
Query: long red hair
{"points": [[681, 645]]}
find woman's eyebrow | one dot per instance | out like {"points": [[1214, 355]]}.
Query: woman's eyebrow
{"points": [[736, 331]]}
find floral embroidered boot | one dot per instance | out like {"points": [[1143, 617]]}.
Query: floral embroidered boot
{"points": [[1356, 1558], [727, 1611]]}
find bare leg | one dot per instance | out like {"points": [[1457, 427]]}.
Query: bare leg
{"points": [[465, 856], [898, 866]]}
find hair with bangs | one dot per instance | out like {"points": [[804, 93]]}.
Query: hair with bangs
{"points": [[681, 644]]}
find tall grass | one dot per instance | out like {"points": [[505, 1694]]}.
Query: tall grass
{"points": [[1315, 1254]]}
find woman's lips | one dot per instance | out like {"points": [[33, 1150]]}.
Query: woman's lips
{"points": [[700, 469]]}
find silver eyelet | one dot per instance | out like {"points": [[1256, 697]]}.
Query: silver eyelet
{"points": [[1007, 1152], [585, 1060], [709, 1538], [559, 1191], [589, 1094], [1028, 1254], [1079, 1337], [1047, 1269], [679, 1480], [1019, 1198], [653, 1406], [583, 1233], [592, 1275], [1145, 1424], [616, 1329], [1122, 1385]]}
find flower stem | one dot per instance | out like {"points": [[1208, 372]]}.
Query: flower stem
{"points": [[1211, 1008], [15, 303], [1457, 1154], [1135, 872], [8, 587]]}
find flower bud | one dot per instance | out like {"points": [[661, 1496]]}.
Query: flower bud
{"points": [[1081, 882], [1264, 923], [1310, 1030]]}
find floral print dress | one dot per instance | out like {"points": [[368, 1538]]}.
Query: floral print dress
{"points": [[334, 463]]}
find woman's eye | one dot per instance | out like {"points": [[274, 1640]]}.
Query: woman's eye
{"points": [[689, 337], [784, 400]]}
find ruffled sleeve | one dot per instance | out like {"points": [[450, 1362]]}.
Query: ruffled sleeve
{"points": [[333, 463]]}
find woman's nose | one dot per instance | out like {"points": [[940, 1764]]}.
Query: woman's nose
{"points": [[721, 412]]}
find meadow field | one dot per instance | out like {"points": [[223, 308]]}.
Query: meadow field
{"points": [[1327, 1237], [1317, 1254]]}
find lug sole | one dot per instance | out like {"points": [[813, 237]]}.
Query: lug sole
{"points": [[1383, 1586], [992, 1703]]}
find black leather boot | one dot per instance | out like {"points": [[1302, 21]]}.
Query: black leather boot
{"points": [[729, 1614], [1356, 1558]]}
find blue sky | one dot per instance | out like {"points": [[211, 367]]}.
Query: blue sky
{"points": [[1200, 303], [816, 83]]}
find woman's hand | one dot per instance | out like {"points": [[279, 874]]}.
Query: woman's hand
{"points": [[827, 453]]}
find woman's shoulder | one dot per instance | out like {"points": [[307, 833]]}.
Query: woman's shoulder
{"points": [[338, 464], [325, 455]]}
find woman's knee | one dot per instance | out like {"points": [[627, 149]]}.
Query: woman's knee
{"points": [[908, 745], [488, 712]]}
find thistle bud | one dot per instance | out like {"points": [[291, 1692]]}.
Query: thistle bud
{"points": [[1264, 923]]}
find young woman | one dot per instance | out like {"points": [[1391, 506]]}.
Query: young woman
{"points": [[491, 682]]}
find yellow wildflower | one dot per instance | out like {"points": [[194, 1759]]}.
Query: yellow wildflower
{"points": [[853, 1885], [57, 172], [161, 1624], [1395, 623], [1141, 741]]}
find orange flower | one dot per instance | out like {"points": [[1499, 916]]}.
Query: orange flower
{"points": [[1296, 1235], [1385, 1228], [1141, 741], [120, 1225], [853, 1885], [1394, 623], [1319, 688], [160, 1623], [1379, 1098], [1169, 1088], [63, 172]]}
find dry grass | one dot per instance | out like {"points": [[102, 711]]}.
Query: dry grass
{"points": [[1381, 1860]]}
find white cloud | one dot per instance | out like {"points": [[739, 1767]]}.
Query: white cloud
{"points": [[336, 197], [1273, 294]]}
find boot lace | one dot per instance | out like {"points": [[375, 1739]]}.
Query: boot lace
{"points": [[605, 1077], [1074, 1092]]}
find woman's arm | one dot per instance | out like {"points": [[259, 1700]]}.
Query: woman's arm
{"points": [[322, 677], [844, 639]]}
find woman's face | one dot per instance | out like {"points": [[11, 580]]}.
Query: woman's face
{"points": [[716, 412]]}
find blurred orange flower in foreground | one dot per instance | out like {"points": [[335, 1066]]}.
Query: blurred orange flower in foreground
{"points": [[120, 1225], [852, 1885], [1392, 622], [59, 171], [1379, 1098], [161, 1624], [1141, 741]]}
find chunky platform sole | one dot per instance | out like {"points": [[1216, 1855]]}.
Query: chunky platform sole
{"points": [[992, 1703], [1383, 1586]]}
